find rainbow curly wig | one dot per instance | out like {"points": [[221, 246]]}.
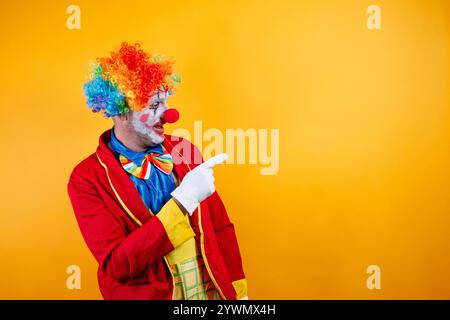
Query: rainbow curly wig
{"points": [[127, 80]]}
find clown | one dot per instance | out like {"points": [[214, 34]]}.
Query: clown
{"points": [[148, 212]]}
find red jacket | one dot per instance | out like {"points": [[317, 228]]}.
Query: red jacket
{"points": [[130, 243]]}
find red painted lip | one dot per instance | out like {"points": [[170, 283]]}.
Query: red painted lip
{"points": [[157, 127]]}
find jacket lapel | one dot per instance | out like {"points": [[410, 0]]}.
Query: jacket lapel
{"points": [[180, 164], [124, 189]]}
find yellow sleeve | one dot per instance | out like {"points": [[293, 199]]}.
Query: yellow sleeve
{"points": [[175, 223], [240, 286]]}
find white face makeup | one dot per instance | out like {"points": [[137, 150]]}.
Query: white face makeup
{"points": [[148, 121]]}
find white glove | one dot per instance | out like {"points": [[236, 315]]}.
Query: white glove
{"points": [[198, 184]]}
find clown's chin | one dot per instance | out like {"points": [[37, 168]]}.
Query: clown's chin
{"points": [[151, 135], [156, 136]]}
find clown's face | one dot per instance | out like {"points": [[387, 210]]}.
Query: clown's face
{"points": [[148, 123]]}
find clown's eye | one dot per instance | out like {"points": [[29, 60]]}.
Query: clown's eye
{"points": [[155, 105]]}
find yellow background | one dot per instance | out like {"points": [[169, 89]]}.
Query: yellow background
{"points": [[364, 137]]}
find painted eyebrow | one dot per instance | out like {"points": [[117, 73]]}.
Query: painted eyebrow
{"points": [[157, 100]]}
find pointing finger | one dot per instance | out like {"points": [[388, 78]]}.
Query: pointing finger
{"points": [[215, 160]]}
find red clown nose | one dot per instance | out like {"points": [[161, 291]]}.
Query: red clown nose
{"points": [[171, 115]]}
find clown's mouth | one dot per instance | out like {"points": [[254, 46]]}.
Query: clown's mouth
{"points": [[157, 127]]}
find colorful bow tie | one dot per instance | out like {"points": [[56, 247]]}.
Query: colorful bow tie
{"points": [[163, 162]]}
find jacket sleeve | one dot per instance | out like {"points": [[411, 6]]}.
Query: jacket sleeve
{"points": [[123, 256], [226, 238]]}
